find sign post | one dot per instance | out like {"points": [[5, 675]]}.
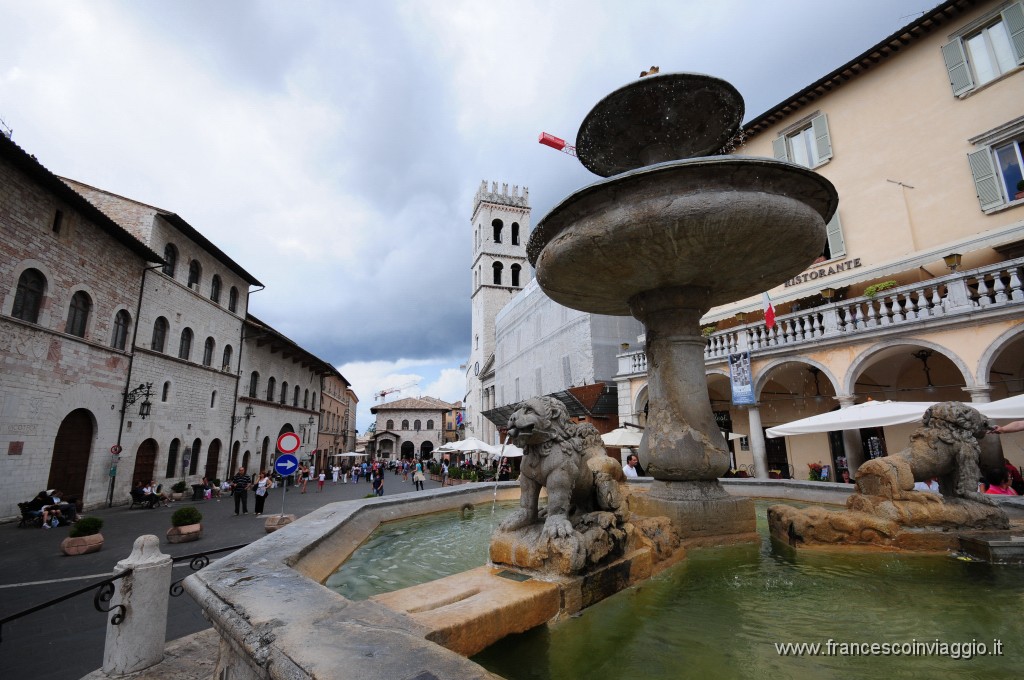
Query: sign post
{"points": [[286, 464]]}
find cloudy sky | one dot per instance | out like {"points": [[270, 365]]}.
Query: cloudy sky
{"points": [[333, 147]]}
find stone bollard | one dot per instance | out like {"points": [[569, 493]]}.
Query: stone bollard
{"points": [[138, 642]]}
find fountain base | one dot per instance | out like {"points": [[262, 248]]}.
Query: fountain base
{"points": [[699, 510]]}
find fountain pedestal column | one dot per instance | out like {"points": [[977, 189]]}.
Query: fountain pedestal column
{"points": [[683, 448]]}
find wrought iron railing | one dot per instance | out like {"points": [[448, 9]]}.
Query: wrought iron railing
{"points": [[196, 562], [104, 592]]}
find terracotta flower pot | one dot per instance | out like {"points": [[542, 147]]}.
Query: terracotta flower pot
{"points": [[185, 534], [80, 545]]}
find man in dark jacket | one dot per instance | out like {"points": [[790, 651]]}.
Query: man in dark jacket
{"points": [[240, 484]]}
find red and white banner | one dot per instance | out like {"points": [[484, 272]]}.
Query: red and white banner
{"points": [[769, 311]]}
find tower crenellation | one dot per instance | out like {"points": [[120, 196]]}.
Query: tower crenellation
{"points": [[514, 197]]}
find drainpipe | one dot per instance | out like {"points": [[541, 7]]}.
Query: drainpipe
{"points": [[238, 382], [128, 381]]}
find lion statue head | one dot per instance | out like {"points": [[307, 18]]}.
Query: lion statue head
{"points": [[953, 420], [538, 420]]}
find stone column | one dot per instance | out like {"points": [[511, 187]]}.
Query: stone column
{"points": [[852, 444], [138, 642], [757, 446], [991, 445]]}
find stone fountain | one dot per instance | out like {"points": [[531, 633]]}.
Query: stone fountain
{"points": [[673, 231]]}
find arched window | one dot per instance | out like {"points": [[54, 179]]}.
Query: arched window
{"points": [[225, 364], [254, 383], [233, 299], [78, 314], [159, 334], [515, 233], [208, 352], [194, 272], [305, 399], [28, 299], [213, 399], [270, 389], [390, 425], [284, 392], [165, 393], [171, 259], [122, 320], [193, 460], [515, 275], [496, 224], [430, 424], [215, 288], [405, 424], [295, 399], [185, 345], [497, 273], [416, 425], [172, 458], [314, 402]]}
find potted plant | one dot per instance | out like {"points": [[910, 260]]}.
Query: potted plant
{"points": [[178, 490], [875, 288], [185, 525], [84, 537]]}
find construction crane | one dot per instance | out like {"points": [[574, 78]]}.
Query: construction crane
{"points": [[379, 396], [557, 143]]}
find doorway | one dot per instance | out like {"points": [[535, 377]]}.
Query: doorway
{"points": [[69, 464], [145, 461]]}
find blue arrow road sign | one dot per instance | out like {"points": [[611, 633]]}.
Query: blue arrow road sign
{"points": [[286, 464]]}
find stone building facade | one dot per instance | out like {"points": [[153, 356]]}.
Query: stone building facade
{"points": [[409, 428], [335, 414]]}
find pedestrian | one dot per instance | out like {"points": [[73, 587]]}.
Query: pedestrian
{"points": [[444, 472], [262, 488], [378, 485], [320, 481], [355, 474], [303, 477], [629, 469], [334, 473], [240, 484], [418, 478], [344, 473], [405, 471]]}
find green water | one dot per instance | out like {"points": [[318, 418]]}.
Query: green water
{"points": [[719, 612]]}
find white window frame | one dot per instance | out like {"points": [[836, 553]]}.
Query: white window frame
{"points": [[962, 73], [821, 150], [992, 192]]}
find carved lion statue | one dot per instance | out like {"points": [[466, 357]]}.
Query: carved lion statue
{"points": [[945, 446], [565, 458]]}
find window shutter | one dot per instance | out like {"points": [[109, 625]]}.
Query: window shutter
{"points": [[834, 234], [779, 149], [985, 183], [956, 64], [819, 126], [1013, 18]]}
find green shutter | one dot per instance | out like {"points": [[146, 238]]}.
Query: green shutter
{"points": [[819, 126], [834, 233], [779, 149], [985, 182], [956, 64], [1013, 18]]}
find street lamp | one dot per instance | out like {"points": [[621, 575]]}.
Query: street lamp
{"points": [[248, 413], [143, 391], [952, 261]]}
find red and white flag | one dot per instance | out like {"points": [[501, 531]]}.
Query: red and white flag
{"points": [[769, 311]]}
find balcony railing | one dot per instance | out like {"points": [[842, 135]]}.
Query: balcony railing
{"points": [[946, 299]]}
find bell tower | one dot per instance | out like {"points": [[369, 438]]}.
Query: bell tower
{"points": [[500, 226]]}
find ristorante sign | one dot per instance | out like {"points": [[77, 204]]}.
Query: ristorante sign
{"points": [[815, 274]]}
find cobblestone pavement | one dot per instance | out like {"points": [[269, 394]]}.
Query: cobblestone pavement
{"points": [[66, 641]]}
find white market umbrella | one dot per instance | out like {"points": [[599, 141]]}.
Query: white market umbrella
{"points": [[868, 414], [1011, 408], [350, 454], [511, 451], [622, 436], [466, 445]]}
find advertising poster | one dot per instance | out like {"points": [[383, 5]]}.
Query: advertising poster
{"points": [[740, 378]]}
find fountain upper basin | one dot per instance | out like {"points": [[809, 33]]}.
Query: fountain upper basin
{"points": [[733, 225]]}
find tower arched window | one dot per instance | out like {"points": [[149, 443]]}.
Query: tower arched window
{"points": [[165, 393], [496, 225], [284, 392], [515, 275], [78, 314], [225, 365], [233, 299], [271, 383], [295, 397], [416, 425], [405, 424], [122, 320], [313, 406], [208, 352], [305, 399], [28, 299], [215, 288], [497, 273], [170, 260], [515, 233], [194, 272], [430, 424], [159, 334], [390, 425], [254, 384], [185, 345]]}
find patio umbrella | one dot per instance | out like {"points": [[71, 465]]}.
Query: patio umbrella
{"points": [[1011, 408], [868, 414], [622, 436]]}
